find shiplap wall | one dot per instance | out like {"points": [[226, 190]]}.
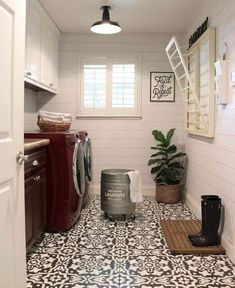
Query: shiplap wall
{"points": [[30, 110], [211, 165], [117, 143]]}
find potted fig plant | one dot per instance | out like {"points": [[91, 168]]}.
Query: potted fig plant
{"points": [[167, 166]]}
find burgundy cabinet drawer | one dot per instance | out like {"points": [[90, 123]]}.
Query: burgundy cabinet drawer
{"points": [[36, 160]]}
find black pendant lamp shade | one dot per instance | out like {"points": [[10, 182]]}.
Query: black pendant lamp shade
{"points": [[106, 26]]}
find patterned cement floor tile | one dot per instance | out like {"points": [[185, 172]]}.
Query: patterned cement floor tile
{"points": [[100, 241], [43, 260], [178, 271], [88, 264], [99, 226], [51, 240], [97, 252]]}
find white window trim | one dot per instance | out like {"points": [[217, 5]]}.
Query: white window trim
{"points": [[123, 113]]}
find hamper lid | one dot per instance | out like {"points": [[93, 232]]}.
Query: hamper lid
{"points": [[115, 171]]}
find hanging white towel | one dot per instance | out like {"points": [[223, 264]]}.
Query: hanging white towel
{"points": [[135, 186]]}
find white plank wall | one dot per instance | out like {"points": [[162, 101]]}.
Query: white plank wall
{"points": [[118, 143], [211, 165], [30, 110]]}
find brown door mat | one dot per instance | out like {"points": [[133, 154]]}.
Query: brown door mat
{"points": [[176, 234]]}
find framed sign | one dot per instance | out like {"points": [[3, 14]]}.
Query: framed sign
{"points": [[162, 87]]}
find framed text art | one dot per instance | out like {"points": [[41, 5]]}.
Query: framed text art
{"points": [[162, 87]]}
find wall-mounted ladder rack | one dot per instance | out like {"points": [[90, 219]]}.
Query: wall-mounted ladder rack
{"points": [[194, 72]]}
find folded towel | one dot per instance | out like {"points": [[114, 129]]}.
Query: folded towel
{"points": [[55, 113], [53, 116], [135, 186]]}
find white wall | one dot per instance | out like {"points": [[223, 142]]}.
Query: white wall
{"points": [[30, 110], [211, 163], [118, 143]]}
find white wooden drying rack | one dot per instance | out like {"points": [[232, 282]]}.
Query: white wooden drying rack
{"points": [[195, 78]]}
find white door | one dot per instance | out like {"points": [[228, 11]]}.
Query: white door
{"points": [[12, 228]]}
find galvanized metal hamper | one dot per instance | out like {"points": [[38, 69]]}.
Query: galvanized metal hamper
{"points": [[115, 194]]}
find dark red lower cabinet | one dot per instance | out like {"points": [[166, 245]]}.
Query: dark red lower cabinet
{"points": [[35, 196]]}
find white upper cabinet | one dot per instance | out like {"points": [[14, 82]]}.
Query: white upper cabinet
{"points": [[41, 49], [49, 56], [33, 39]]}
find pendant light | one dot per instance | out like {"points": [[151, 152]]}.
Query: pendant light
{"points": [[106, 26]]}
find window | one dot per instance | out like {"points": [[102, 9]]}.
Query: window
{"points": [[109, 87]]}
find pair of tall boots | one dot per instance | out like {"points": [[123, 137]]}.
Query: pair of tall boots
{"points": [[211, 215]]}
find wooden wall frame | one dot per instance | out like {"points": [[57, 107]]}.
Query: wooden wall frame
{"points": [[200, 64], [162, 86]]}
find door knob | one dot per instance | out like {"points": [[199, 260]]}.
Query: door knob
{"points": [[21, 158]]}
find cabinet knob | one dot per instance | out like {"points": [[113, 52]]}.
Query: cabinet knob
{"points": [[37, 178], [21, 158], [35, 163], [28, 73]]}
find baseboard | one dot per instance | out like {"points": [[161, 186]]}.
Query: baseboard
{"points": [[230, 251], [94, 189], [193, 206], [196, 209], [147, 190]]}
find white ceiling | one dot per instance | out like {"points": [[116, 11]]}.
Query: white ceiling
{"points": [[134, 16]]}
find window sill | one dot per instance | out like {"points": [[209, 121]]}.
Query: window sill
{"points": [[133, 117]]}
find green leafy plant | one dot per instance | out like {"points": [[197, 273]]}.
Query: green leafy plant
{"points": [[166, 162]]}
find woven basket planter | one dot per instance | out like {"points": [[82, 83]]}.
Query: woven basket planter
{"points": [[168, 193]]}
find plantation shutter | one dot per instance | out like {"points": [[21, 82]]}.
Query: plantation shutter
{"points": [[123, 85], [94, 86]]}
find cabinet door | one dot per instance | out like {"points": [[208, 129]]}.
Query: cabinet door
{"points": [[33, 48], [45, 44], [49, 54], [29, 211], [40, 202], [53, 60]]}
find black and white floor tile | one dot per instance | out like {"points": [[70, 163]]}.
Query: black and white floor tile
{"points": [[122, 254]]}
